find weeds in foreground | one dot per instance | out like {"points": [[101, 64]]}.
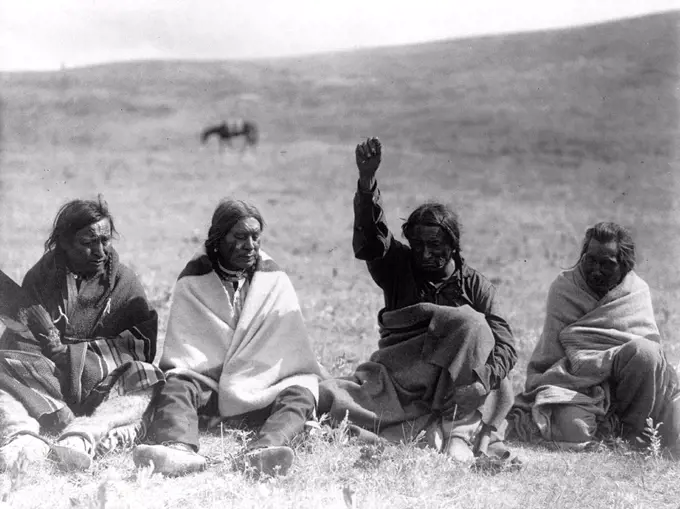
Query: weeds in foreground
{"points": [[348, 497], [651, 431], [371, 456], [335, 434], [16, 477], [331, 474]]}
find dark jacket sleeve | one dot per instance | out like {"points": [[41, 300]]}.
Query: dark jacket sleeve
{"points": [[503, 357], [371, 239], [373, 242]]}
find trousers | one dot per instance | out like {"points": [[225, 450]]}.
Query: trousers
{"points": [[642, 385], [182, 399]]}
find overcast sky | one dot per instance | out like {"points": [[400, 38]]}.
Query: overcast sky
{"points": [[44, 34]]}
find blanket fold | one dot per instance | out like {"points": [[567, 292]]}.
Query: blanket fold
{"points": [[109, 331], [572, 364], [425, 350], [267, 351]]}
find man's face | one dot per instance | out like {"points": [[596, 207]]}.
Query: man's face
{"points": [[600, 266], [89, 248], [239, 248], [431, 248]]}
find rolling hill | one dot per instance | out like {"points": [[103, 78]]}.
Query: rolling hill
{"points": [[606, 91], [531, 137]]}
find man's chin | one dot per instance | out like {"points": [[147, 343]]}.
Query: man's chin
{"points": [[598, 288], [91, 268], [430, 269], [245, 263]]}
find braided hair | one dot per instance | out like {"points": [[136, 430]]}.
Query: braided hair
{"points": [[436, 214]]}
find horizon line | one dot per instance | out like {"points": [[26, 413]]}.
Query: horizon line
{"points": [[316, 53]]}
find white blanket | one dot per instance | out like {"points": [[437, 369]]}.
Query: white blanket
{"points": [[268, 350]]}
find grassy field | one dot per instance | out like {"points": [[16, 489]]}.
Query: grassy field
{"points": [[532, 138]]}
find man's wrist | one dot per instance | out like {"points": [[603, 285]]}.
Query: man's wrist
{"points": [[367, 184], [52, 343]]}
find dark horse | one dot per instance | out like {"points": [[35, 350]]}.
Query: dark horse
{"points": [[233, 129]]}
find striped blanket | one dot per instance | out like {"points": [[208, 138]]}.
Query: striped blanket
{"points": [[109, 331]]}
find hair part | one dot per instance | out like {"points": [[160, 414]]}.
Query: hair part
{"points": [[605, 232], [76, 215], [227, 213]]}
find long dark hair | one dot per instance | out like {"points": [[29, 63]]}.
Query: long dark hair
{"points": [[611, 232], [436, 214], [227, 213], [75, 215]]}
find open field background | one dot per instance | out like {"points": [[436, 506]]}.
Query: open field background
{"points": [[532, 138]]}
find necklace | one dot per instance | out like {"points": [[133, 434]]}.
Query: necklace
{"points": [[230, 275]]}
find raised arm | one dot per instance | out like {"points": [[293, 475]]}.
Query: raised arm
{"points": [[372, 238]]}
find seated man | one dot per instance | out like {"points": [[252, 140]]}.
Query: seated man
{"points": [[236, 347], [444, 352], [599, 360], [84, 368]]}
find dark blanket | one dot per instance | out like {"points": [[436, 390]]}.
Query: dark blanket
{"points": [[110, 332], [424, 352]]}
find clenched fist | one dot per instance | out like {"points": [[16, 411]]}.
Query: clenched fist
{"points": [[368, 156]]}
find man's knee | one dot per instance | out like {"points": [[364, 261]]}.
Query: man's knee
{"points": [[182, 393], [572, 424], [639, 353], [298, 397]]}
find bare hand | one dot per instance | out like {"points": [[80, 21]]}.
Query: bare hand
{"points": [[368, 156], [473, 392], [38, 320], [464, 398], [40, 324]]}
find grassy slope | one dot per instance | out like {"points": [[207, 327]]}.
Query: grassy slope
{"points": [[532, 137]]}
